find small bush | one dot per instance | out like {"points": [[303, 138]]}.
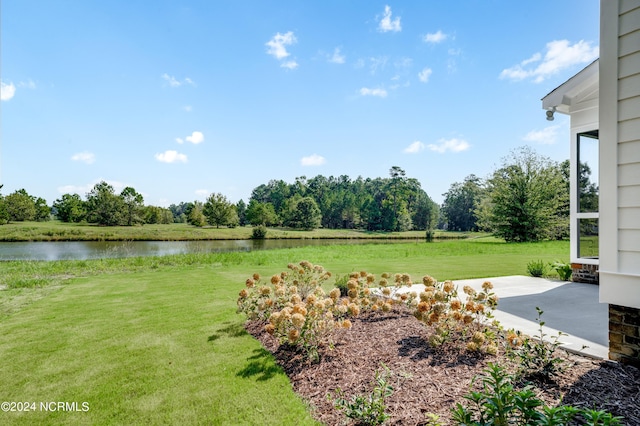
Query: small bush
{"points": [[499, 403], [535, 356], [341, 284], [536, 268], [259, 232], [367, 409], [457, 321], [563, 270], [429, 235]]}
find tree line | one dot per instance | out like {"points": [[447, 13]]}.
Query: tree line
{"points": [[525, 199]]}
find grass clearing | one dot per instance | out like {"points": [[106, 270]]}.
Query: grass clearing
{"points": [[157, 340]]}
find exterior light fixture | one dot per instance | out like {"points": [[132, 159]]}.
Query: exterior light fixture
{"points": [[550, 113]]}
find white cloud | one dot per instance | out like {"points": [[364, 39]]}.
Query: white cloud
{"points": [[290, 65], [195, 138], [546, 136], [187, 108], [452, 145], [202, 192], [379, 62], [337, 57], [85, 157], [434, 38], [277, 45], [425, 74], [180, 140], [7, 91], [173, 82], [387, 24], [365, 91], [414, 148], [313, 160], [74, 189], [560, 55], [27, 84], [171, 156]]}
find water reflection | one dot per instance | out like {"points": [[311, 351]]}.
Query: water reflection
{"points": [[79, 250]]}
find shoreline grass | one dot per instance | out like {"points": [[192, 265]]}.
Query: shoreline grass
{"points": [[157, 340], [60, 231]]}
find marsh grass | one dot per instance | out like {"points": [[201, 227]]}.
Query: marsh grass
{"points": [[157, 340], [60, 231]]}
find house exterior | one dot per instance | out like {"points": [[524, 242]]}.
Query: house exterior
{"points": [[603, 101]]}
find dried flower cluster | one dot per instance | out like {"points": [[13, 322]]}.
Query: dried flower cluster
{"points": [[299, 312], [457, 320]]}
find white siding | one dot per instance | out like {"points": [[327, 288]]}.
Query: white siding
{"points": [[629, 174], [629, 152], [630, 86], [620, 152], [629, 149], [628, 261], [629, 196], [629, 130], [629, 107]]}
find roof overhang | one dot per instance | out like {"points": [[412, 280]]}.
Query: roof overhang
{"points": [[578, 93]]}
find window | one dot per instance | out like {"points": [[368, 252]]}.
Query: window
{"points": [[587, 195]]}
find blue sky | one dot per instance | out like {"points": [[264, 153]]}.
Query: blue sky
{"points": [[180, 99]]}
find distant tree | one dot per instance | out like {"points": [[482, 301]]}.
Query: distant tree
{"points": [[524, 196], [4, 214], [133, 203], [156, 215], [303, 213], [276, 192], [180, 211], [259, 213], [397, 191], [104, 207], [195, 216], [43, 211], [459, 206], [70, 208], [20, 206], [426, 213], [219, 211], [241, 210]]}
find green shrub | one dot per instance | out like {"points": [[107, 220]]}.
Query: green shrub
{"points": [[429, 235], [367, 409], [500, 404], [536, 268], [259, 232], [563, 270], [341, 284], [535, 356]]}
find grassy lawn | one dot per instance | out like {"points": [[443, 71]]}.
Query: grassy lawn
{"points": [[157, 340], [60, 231]]}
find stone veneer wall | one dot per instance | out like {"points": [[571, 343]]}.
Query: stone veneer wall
{"points": [[583, 273], [624, 335]]}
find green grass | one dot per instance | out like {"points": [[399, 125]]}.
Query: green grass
{"points": [[59, 231], [157, 340]]}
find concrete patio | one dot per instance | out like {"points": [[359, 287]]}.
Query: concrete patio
{"points": [[572, 308]]}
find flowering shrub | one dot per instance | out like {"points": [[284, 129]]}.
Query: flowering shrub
{"points": [[296, 307], [455, 320], [299, 312]]}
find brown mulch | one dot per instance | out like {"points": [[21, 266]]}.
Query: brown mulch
{"points": [[432, 381]]}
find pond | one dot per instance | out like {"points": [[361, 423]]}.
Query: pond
{"points": [[80, 250]]}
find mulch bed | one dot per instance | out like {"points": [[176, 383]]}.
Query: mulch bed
{"points": [[432, 381]]}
